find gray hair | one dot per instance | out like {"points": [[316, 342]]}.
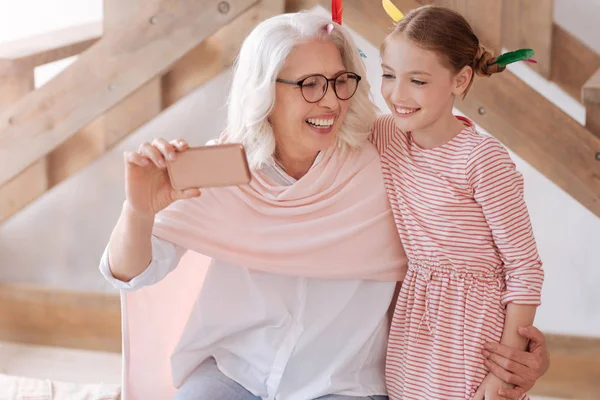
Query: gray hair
{"points": [[261, 58]]}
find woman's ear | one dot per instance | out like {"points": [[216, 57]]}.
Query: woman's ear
{"points": [[462, 80]]}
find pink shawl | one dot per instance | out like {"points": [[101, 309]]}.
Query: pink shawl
{"points": [[335, 222]]}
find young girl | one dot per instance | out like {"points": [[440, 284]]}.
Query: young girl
{"points": [[474, 271]]}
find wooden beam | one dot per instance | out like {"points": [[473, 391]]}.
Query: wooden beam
{"points": [[118, 13], [33, 181], [47, 117], [15, 83], [23, 189], [591, 100], [591, 89], [543, 135], [299, 5], [215, 54], [573, 63], [52, 317], [51, 46], [574, 368], [528, 24], [104, 132]]}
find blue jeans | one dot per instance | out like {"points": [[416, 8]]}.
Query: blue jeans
{"points": [[208, 383]]}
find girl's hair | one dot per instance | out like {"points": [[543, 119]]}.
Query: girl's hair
{"points": [[261, 59], [447, 33]]}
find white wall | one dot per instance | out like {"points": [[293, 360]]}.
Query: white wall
{"points": [[568, 235]]}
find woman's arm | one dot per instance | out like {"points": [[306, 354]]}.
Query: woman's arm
{"points": [[165, 257], [519, 368], [130, 245], [148, 191]]}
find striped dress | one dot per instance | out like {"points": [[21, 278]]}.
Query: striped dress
{"points": [[460, 212]]}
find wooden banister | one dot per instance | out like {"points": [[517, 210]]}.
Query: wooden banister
{"points": [[143, 50], [48, 47], [591, 100]]}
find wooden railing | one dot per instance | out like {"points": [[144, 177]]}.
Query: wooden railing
{"points": [[151, 54], [591, 99]]}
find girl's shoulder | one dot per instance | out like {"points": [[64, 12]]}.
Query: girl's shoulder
{"points": [[478, 143], [383, 131]]}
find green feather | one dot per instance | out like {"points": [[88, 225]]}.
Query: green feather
{"points": [[514, 56]]}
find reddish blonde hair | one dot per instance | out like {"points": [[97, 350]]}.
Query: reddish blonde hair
{"points": [[447, 33]]}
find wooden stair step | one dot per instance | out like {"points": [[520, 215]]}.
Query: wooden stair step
{"points": [[48, 47]]}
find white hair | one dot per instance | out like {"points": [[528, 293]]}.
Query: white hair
{"points": [[261, 58]]}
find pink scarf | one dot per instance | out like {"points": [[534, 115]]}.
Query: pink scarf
{"points": [[335, 222]]}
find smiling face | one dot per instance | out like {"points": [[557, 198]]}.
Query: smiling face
{"points": [[302, 129], [417, 87]]}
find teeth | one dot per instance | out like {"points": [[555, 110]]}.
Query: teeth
{"points": [[320, 122], [405, 110]]}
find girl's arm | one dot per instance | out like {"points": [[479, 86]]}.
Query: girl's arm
{"points": [[498, 188]]}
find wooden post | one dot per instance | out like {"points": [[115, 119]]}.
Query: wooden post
{"points": [[15, 83], [591, 99], [528, 24]]}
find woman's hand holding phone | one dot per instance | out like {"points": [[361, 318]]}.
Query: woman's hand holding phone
{"points": [[147, 185]]}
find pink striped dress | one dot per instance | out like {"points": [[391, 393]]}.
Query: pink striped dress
{"points": [[464, 224]]}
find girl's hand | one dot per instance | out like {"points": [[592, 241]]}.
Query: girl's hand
{"points": [[147, 185], [490, 387]]}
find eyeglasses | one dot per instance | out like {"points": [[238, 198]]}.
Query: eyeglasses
{"points": [[315, 87]]}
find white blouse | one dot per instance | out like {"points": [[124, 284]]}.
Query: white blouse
{"points": [[281, 337]]}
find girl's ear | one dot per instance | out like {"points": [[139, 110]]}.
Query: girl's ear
{"points": [[462, 80]]}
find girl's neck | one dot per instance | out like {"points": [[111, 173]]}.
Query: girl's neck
{"points": [[438, 133]]}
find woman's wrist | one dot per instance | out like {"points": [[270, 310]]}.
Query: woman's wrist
{"points": [[134, 215]]}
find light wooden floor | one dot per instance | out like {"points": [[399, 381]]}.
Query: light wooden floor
{"points": [[68, 365], [60, 364]]}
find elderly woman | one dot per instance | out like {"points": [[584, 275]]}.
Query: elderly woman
{"points": [[306, 257]]}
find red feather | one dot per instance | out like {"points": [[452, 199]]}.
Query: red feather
{"points": [[337, 9]]}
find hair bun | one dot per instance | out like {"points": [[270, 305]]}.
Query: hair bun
{"points": [[483, 64]]}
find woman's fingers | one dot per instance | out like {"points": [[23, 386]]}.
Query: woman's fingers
{"points": [[136, 158], [167, 149], [157, 152], [152, 153], [179, 144], [185, 194]]}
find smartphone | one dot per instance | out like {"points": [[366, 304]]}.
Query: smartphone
{"points": [[209, 166]]}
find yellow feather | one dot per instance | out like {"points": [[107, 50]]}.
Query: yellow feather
{"points": [[392, 10]]}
